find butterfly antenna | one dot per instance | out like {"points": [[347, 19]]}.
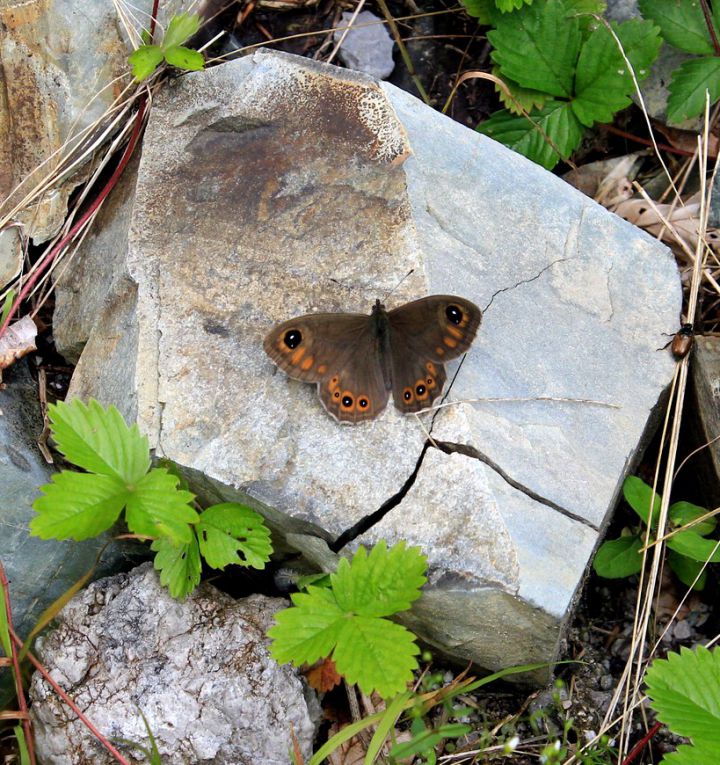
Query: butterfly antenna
{"points": [[411, 271]]}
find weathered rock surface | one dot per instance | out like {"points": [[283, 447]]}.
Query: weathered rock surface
{"points": [[367, 47], [199, 671], [273, 186], [62, 65]]}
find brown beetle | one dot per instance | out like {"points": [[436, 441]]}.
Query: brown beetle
{"points": [[681, 344]]}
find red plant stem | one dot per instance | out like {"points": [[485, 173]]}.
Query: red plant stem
{"points": [[635, 751], [22, 703], [61, 693], [129, 149], [647, 141], [707, 13], [48, 259]]}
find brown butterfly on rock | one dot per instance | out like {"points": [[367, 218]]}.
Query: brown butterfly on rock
{"points": [[356, 359]]}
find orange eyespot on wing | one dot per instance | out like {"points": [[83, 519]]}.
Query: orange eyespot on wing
{"points": [[423, 383]]}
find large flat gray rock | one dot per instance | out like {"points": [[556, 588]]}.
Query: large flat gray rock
{"points": [[274, 186]]}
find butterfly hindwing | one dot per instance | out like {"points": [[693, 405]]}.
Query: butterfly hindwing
{"points": [[424, 334], [338, 351]]}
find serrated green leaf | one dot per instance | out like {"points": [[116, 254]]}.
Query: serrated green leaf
{"points": [[376, 654], [686, 570], [639, 495], [585, 7], [179, 566], [184, 58], [685, 693], [700, 754], [682, 513], [99, 440], [506, 6], [521, 97], [695, 547], [319, 580], [145, 60], [157, 508], [479, 9], [233, 533], [310, 630], [557, 120], [538, 47], [173, 469], [77, 506], [618, 558], [688, 85], [180, 28], [681, 22], [383, 583], [603, 83]]}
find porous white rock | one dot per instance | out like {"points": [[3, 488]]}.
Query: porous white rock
{"points": [[198, 670]]}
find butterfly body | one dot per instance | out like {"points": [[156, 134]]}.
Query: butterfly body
{"points": [[358, 360]]}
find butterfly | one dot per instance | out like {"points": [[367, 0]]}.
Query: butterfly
{"points": [[356, 359]]}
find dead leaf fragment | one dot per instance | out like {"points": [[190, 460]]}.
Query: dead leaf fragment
{"points": [[18, 341], [323, 676]]}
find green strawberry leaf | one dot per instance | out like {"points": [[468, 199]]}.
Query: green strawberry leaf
{"points": [[538, 47], [693, 546], [700, 754], [603, 83], [639, 496], [684, 692], [77, 506], [682, 513], [310, 630], [157, 508], [688, 85], [682, 24], [618, 558], [144, 61], [521, 97], [556, 118], [180, 28], [687, 570], [376, 654], [383, 583], [505, 6], [179, 565], [99, 440], [232, 533], [184, 58], [343, 620], [479, 9]]}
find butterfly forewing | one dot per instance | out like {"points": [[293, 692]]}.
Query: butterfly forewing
{"points": [[339, 352]]}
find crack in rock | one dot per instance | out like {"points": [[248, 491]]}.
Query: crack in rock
{"points": [[524, 281], [375, 517], [448, 448]]}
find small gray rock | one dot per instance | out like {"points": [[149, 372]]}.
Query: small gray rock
{"points": [[367, 47], [199, 671]]}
